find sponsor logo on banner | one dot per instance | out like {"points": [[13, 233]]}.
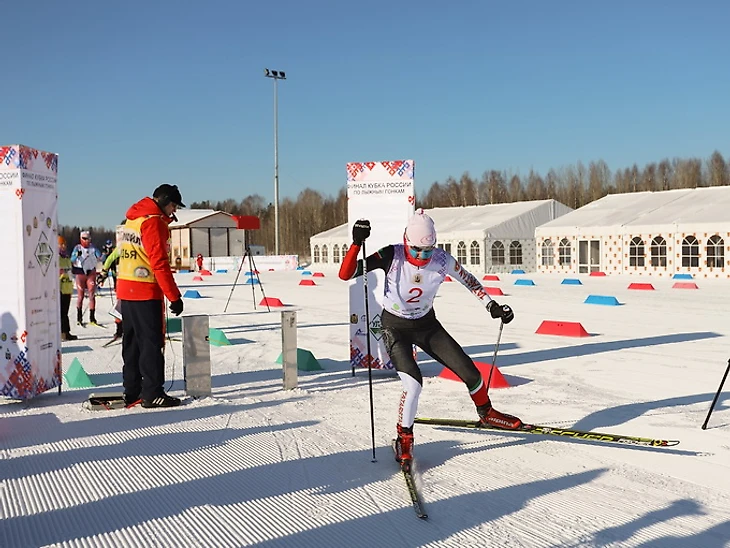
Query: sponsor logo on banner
{"points": [[43, 253], [376, 327]]}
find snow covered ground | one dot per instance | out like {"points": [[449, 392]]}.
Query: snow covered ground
{"points": [[256, 464]]}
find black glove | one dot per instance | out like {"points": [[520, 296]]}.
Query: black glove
{"points": [[360, 231], [504, 312], [176, 307], [101, 277]]}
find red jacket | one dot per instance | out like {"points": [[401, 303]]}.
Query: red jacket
{"points": [[144, 267]]}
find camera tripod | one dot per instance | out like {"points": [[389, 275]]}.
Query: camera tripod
{"points": [[252, 271]]}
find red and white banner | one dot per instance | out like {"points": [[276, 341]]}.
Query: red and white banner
{"points": [[383, 193], [30, 333]]}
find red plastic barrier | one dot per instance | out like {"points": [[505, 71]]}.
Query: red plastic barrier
{"points": [[197, 279], [597, 274], [307, 282], [448, 279], [491, 277], [205, 273], [497, 380], [685, 285], [271, 301], [493, 291], [318, 275], [642, 286], [564, 329]]}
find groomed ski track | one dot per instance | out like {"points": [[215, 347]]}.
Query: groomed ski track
{"points": [[254, 465]]}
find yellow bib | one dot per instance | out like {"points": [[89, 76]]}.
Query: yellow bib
{"points": [[134, 264]]}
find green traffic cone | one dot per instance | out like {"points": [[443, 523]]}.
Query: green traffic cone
{"points": [[76, 377]]}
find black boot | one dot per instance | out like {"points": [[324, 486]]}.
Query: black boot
{"points": [[80, 316], [92, 317]]}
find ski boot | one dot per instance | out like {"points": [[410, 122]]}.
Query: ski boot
{"points": [[404, 447], [489, 416], [80, 317], [92, 318]]}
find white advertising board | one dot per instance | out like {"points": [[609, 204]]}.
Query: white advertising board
{"points": [[384, 194], [30, 334]]}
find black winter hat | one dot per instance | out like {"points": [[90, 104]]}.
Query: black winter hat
{"points": [[168, 194]]}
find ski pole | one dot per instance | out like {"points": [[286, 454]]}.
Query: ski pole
{"points": [[369, 355], [714, 401], [494, 358]]}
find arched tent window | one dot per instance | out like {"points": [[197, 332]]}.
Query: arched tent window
{"points": [[498, 253], [344, 250], [515, 253], [325, 259], [547, 253], [564, 252], [336, 254], [461, 252], [636, 252], [316, 254], [715, 252], [474, 252], [690, 252], [658, 252]]}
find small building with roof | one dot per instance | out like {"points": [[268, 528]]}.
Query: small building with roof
{"points": [[490, 238], [682, 231], [206, 231]]}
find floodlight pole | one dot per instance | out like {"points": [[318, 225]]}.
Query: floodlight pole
{"points": [[276, 75]]}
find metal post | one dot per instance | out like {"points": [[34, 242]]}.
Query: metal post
{"points": [[196, 356], [276, 75], [289, 348], [276, 168]]}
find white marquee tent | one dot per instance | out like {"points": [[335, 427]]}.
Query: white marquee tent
{"points": [[682, 231], [489, 238]]}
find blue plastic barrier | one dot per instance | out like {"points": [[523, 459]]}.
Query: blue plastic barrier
{"points": [[605, 300], [192, 294], [682, 277], [524, 282], [517, 271], [571, 281]]}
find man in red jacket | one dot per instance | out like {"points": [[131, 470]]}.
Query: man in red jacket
{"points": [[144, 280]]}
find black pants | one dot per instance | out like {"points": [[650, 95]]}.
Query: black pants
{"points": [[428, 334], [65, 305], [142, 346]]}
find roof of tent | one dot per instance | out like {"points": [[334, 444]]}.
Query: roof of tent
{"points": [[669, 210], [187, 217], [509, 220]]}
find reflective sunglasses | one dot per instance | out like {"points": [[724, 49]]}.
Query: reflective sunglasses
{"points": [[420, 252]]}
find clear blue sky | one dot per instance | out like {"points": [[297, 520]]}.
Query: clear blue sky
{"points": [[136, 93]]}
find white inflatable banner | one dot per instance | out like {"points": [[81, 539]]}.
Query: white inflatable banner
{"points": [[383, 193], [30, 334]]}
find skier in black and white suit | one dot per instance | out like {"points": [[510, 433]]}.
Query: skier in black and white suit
{"points": [[414, 272]]}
